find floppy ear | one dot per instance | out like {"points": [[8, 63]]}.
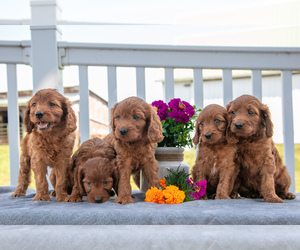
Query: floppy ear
{"points": [[154, 127], [267, 120], [115, 175], [196, 138], [79, 177], [112, 122], [69, 116], [28, 124], [230, 137]]}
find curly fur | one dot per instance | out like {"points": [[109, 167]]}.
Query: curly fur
{"points": [[136, 129], [216, 153], [95, 172], [262, 172], [50, 124]]}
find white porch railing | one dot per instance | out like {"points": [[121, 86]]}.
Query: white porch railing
{"points": [[47, 56]]}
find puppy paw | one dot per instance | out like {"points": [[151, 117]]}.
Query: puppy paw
{"points": [[73, 199], [53, 193], [289, 196], [222, 196], [18, 194], [273, 199], [124, 200], [61, 198], [40, 197], [234, 195]]}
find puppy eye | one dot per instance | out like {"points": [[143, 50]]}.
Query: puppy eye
{"points": [[250, 112], [52, 104], [201, 123], [89, 184], [118, 117], [33, 104], [217, 121], [135, 117], [105, 183], [232, 112]]}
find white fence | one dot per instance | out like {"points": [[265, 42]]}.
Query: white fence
{"points": [[168, 57]]}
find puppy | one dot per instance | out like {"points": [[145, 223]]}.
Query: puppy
{"points": [[262, 172], [95, 172], [216, 153], [136, 129], [50, 124]]}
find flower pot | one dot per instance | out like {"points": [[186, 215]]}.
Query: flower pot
{"points": [[167, 158]]}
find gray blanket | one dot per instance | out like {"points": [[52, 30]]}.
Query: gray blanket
{"points": [[23, 211]]}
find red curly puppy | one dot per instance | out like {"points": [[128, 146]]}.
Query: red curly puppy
{"points": [[95, 172], [216, 153], [262, 173], [136, 129], [50, 124]]}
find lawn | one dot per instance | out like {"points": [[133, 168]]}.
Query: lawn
{"points": [[189, 158]]}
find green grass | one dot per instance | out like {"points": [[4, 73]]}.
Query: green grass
{"points": [[189, 158]]}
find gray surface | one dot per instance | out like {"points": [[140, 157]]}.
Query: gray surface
{"points": [[23, 211], [149, 237]]}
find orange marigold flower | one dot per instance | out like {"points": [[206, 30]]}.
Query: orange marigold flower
{"points": [[155, 195], [162, 182], [173, 195]]}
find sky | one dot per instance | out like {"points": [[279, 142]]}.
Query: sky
{"points": [[140, 22]]}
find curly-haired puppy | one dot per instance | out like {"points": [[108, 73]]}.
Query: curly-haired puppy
{"points": [[95, 172], [262, 173], [216, 153], [50, 124], [136, 129]]}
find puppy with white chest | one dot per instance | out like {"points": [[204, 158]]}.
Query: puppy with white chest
{"points": [[216, 153]]}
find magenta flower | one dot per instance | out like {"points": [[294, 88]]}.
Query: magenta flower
{"points": [[199, 188], [181, 111], [162, 109]]}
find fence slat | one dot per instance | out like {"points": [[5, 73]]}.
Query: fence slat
{"points": [[112, 88], [13, 123], [140, 83], [169, 84], [198, 88], [256, 84], [84, 116], [288, 125], [227, 86]]}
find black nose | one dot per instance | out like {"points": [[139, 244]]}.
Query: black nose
{"points": [[239, 125], [98, 199], [123, 131], [208, 135], [39, 114]]}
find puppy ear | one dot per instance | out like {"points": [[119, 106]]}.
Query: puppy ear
{"points": [[267, 120], [230, 137], [79, 177], [28, 124], [69, 116], [196, 138], [154, 127], [115, 175]]}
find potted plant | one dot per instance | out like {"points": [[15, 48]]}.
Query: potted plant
{"points": [[178, 120]]}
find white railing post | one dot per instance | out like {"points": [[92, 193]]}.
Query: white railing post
{"points": [[13, 123], [256, 84], [44, 37], [169, 84], [227, 86], [288, 124], [198, 88]]}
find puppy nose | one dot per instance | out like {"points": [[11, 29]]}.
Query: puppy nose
{"points": [[39, 114], [208, 135], [123, 131], [98, 199], [239, 125]]}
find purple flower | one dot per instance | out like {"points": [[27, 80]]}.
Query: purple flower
{"points": [[181, 111], [199, 188], [161, 109]]}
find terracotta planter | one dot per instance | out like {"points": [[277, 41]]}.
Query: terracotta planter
{"points": [[167, 158]]}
